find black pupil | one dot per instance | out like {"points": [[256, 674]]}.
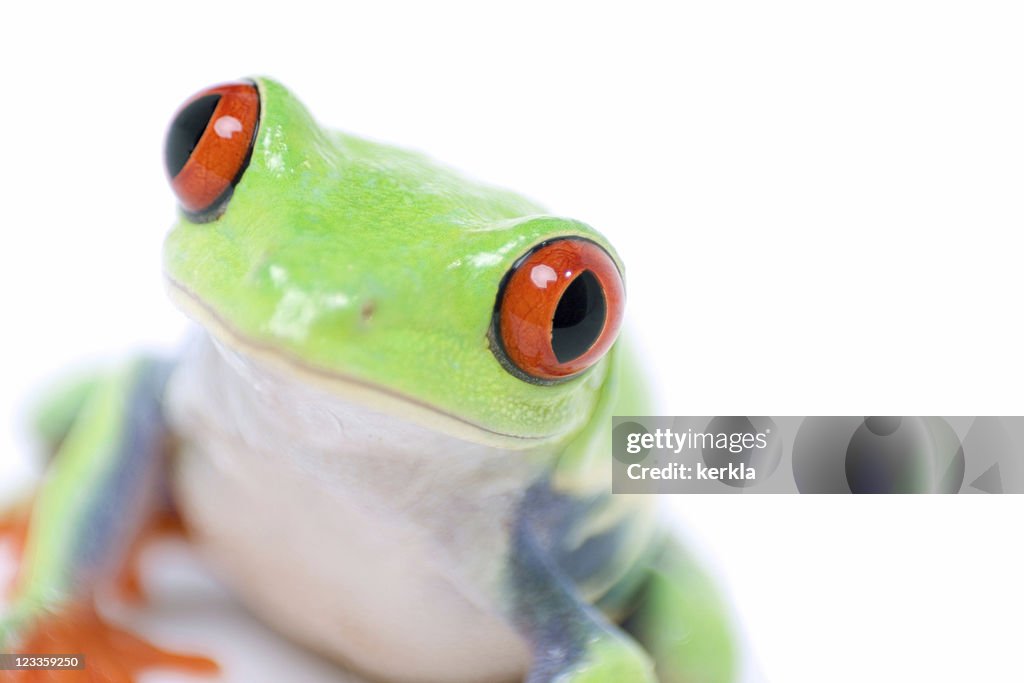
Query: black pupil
{"points": [[579, 318], [186, 130]]}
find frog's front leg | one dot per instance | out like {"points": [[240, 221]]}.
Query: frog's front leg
{"points": [[570, 640], [101, 489], [53, 415]]}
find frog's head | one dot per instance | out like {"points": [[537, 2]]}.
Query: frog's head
{"points": [[383, 276]]}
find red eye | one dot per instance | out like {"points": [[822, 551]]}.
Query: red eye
{"points": [[559, 310], [208, 146]]}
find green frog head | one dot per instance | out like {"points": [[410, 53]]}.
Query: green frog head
{"points": [[383, 276]]}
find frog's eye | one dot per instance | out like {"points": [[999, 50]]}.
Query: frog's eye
{"points": [[558, 311], [208, 147]]}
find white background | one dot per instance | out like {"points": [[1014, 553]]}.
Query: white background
{"points": [[820, 204]]}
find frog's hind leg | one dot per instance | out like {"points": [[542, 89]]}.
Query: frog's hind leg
{"points": [[102, 487], [570, 640], [683, 623]]}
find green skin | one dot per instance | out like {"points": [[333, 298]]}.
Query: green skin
{"points": [[373, 271]]}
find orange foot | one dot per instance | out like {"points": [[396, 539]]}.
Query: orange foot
{"points": [[14, 524], [111, 655], [14, 529], [128, 582]]}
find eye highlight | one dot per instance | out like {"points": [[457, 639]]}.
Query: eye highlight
{"points": [[208, 146], [558, 311]]}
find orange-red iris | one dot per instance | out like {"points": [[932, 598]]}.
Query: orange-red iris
{"points": [[222, 151], [530, 300]]}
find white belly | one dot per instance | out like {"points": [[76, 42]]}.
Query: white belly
{"points": [[376, 542]]}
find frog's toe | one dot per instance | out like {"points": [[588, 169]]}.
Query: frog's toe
{"points": [[14, 524], [112, 655], [128, 583]]}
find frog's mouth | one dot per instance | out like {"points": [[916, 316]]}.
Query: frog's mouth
{"points": [[368, 394]]}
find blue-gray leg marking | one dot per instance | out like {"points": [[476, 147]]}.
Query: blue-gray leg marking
{"points": [[131, 484]]}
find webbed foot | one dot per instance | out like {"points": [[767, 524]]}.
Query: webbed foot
{"points": [[111, 654], [128, 581], [14, 524]]}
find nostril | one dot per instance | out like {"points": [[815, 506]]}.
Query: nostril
{"points": [[367, 311]]}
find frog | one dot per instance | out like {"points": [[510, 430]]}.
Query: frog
{"points": [[389, 432]]}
